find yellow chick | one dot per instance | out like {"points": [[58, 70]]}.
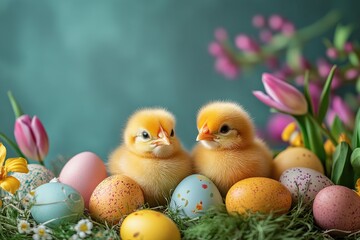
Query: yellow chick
{"points": [[151, 154], [228, 150]]}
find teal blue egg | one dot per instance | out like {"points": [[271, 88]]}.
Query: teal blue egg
{"points": [[56, 203], [194, 195]]}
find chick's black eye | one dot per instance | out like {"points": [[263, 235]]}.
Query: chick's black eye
{"points": [[225, 129], [172, 133], [145, 135]]}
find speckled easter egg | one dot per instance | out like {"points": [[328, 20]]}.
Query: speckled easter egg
{"points": [[84, 172], [304, 182], [115, 197], [337, 207], [56, 203], [37, 176], [258, 194], [149, 225], [295, 157], [194, 195]]}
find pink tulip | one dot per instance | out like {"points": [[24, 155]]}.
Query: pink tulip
{"points": [[266, 35], [31, 137], [276, 124], [282, 96]]}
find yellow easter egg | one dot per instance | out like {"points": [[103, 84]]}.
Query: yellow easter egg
{"points": [[149, 225], [115, 197], [258, 194], [295, 157]]}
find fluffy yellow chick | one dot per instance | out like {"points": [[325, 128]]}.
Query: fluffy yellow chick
{"points": [[151, 154], [228, 150]]}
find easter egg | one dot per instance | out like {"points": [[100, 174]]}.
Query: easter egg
{"points": [[83, 172], [194, 195], [37, 175], [149, 225], [295, 157], [258, 194], [304, 182], [115, 197], [56, 203], [337, 207]]}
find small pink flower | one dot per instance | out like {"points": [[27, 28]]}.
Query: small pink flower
{"points": [[258, 21], [342, 110], [265, 35], [216, 49], [227, 67], [348, 47], [276, 22], [221, 34], [282, 96], [247, 44], [351, 73], [332, 53], [272, 62], [288, 29], [276, 125], [323, 67], [31, 137]]}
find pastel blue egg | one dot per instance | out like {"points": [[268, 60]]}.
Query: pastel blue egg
{"points": [[56, 203], [194, 195]]}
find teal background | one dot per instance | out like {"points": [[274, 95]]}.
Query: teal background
{"points": [[84, 66]]}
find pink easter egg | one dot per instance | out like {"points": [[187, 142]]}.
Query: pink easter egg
{"points": [[83, 172]]}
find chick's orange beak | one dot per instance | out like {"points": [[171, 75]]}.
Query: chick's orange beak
{"points": [[163, 138], [204, 134]]}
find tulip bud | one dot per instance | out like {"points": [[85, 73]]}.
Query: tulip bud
{"points": [[282, 96], [31, 137]]}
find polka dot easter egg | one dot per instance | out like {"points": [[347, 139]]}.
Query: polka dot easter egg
{"points": [[304, 182], [37, 175], [194, 195]]}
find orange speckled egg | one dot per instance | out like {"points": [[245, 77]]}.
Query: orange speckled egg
{"points": [[258, 194], [115, 197], [149, 225], [295, 157]]}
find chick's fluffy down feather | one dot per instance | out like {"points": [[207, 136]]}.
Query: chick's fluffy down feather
{"points": [[228, 150], [151, 155]]}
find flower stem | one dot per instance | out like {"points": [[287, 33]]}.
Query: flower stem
{"points": [[324, 130], [13, 145]]}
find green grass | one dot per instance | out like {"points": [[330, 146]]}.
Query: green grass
{"points": [[215, 224]]}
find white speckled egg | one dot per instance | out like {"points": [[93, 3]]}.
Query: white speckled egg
{"points": [[194, 195], [304, 181], [37, 175]]}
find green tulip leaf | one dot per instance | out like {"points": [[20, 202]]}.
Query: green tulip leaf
{"points": [[300, 119], [356, 134], [337, 127], [315, 140], [342, 34], [15, 105], [355, 163], [342, 172], [325, 96], [307, 93]]}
